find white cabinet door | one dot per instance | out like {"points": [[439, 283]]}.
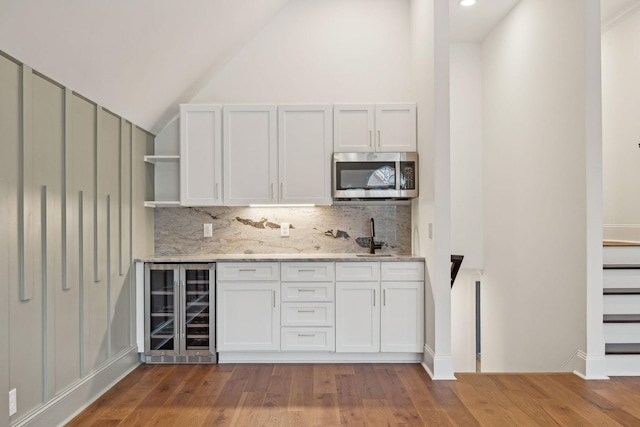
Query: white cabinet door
{"points": [[200, 155], [402, 318], [357, 317], [250, 154], [248, 316], [380, 127], [353, 126], [304, 151], [395, 127]]}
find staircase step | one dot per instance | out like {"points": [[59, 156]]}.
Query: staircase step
{"points": [[621, 291], [622, 349], [621, 318], [621, 266]]}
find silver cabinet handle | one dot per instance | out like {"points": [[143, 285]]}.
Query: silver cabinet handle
{"points": [[216, 191], [378, 138], [246, 269], [374, 297], [369, 138], [281, 190], [384, 297], [306, 311], [271, 197], [274, 298], [306, 335]]}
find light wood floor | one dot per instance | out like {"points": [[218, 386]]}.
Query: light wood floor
{"points": [[357, 394]]}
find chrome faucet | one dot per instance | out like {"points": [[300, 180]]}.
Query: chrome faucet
{"points": [[373, 245]]}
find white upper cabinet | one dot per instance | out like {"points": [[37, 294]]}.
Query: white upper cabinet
{"points": [[353, 128], [374, 127], [250, 154], [304, 153], [271, 159], [395, 127], [200, 155]]}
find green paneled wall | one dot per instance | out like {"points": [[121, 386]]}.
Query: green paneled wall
{"points": [[72, 186]]}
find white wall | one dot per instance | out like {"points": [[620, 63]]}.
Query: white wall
{"points": [[322, 51], [535, 216], [621, 128], [431, 211], [466, 153], [463, 321]]}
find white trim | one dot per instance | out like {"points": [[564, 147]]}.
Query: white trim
{"points": [[593, 366], [623, 365], [138, 284], [442, 365], [316, 357], [79, 395], [588, 367], [594, 350]]}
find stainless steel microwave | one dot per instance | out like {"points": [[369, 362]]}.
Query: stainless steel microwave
{"points": [[375, 176]]}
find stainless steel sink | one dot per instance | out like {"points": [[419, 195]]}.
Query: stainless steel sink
{"points": [[374, 255]]}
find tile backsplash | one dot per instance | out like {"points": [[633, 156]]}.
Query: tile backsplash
{"points": [[249, 230]]}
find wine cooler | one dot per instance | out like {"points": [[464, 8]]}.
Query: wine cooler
{"points": [[179, 313]]}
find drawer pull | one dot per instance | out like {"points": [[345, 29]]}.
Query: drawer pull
{"points": [[306, 290], [306, 271], [306, 311], [306, 335], [247, 269]]}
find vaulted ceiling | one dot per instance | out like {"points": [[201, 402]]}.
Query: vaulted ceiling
{"points": [[140, 58]]}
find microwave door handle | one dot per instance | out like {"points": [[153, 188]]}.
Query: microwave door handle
{"points": [[398, 174]]}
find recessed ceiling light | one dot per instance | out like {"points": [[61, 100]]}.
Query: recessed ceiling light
{"points": [[466, 2]]}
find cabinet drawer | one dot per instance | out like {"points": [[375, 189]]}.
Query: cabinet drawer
{"points": [[307, 314], [247, 271], [307, 292], [307, 339], [307, 271], [357, 271], [402, 271]]}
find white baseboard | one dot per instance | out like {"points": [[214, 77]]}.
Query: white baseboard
{"points": [[439, 367], [66, 405], [589, 367], [316, 357]]}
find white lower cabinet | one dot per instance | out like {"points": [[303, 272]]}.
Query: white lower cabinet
{"points": [[248, 307], [401, 319], [358, 317], [307, 315], [322, 307], [375, 315]]}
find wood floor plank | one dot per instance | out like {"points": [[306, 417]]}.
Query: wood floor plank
{"points": [[489, 405], [324, 378], [368, 383], [572, 402], [300, 395], [123, 398], [349, 400]]}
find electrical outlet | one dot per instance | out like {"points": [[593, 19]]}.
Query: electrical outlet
{"points": [[208, 230], [13, 402], [284, 229]]}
